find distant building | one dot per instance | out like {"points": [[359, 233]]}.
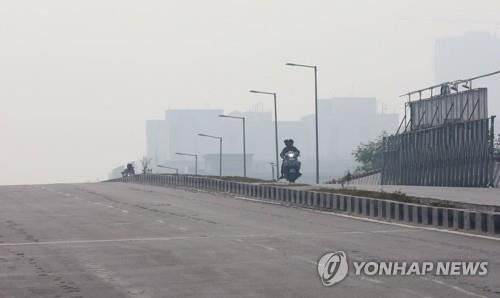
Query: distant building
{"points": [[231, 164], [469, 55], [178, 133], [157, 141], [344, 124], [183, 127], [116, 172]]}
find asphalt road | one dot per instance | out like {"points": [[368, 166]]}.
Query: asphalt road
{"points": [[125, 240]]}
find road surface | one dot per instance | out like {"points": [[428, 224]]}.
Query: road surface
{"points": [[125, 240]]}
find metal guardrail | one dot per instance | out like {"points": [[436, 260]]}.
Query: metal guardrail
{"points": [[470, 221]]}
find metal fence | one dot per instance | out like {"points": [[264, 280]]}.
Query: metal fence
{"points": [[451, 154]]}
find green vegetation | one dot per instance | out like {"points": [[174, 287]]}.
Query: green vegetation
{"points": [[287, 185], [396, 196], [369, 155], [242, 179]]}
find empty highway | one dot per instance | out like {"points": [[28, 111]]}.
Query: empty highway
{"points": [[126, 240]]}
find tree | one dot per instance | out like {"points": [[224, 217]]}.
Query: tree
{"points": [[369, 155], [145, 162]]}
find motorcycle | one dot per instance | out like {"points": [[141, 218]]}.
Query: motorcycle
{"points": [[291, 166]]}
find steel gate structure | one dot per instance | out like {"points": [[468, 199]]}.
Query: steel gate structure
{"points": [[447, 139]]}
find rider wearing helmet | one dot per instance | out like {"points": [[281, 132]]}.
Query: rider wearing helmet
{"points": [[288, 147]]}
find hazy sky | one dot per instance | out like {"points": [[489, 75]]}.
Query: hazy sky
{"points": [[78, 79]]}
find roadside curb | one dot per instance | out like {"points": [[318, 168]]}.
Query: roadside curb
{"points": [[464, 220]]}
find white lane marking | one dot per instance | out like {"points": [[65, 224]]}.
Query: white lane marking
{"points": [[256, 200], [104, 205], [379, 221], [130, 239], [195, 237], [458, 289], [160, 221], [394, 231], [98, 241], [238, 237], [124, 211], [265, 247], [373, 280]]}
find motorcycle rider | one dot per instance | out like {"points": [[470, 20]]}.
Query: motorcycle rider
{"points": [[288, 147]]}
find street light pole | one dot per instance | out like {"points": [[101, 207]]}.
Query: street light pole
{"points": [[195, 160], [220, 158], [244, 142], [171, 168], [275, 127], [244, 150], [316, 119], [315, 109], [220, 149]]}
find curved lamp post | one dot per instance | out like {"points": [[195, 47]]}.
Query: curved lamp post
{"points": [[275, 127], [220, 149], [316, 110], [195, 160], [170, 168], [244, 146]]}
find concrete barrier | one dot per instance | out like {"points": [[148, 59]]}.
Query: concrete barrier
{"points": [[470, 221]]}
